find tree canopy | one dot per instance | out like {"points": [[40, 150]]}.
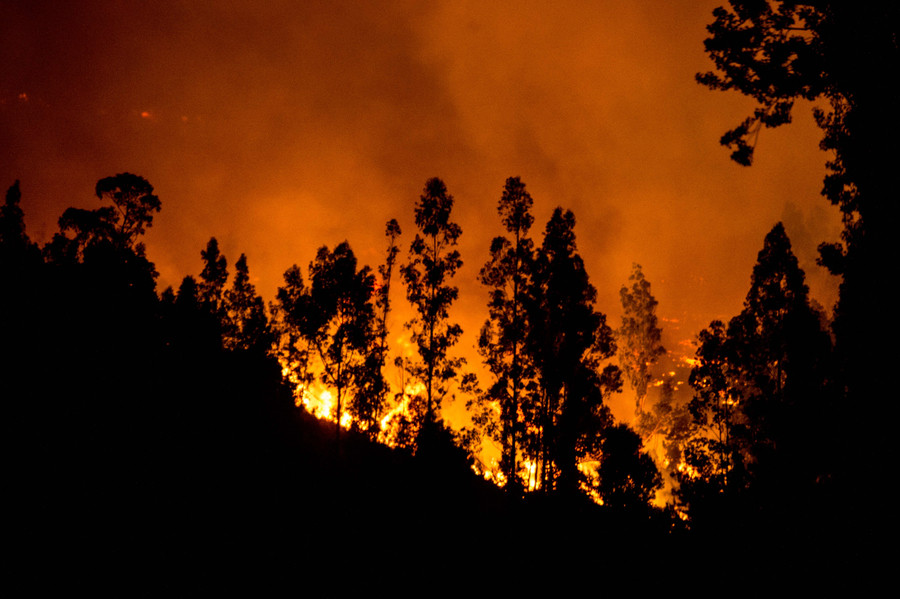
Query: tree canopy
{"points": [[502, 339], [762, 399], [433, 261]]}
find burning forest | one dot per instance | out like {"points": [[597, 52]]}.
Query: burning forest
{"points": [[470, 382]]}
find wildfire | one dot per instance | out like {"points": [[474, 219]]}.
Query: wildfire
{"points": [[397, 419], [689, 361], [315, 398], [589, 468], [688, 470], [319, 400], [531, 473]]}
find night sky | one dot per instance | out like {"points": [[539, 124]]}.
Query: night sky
{"points": [[278, 127]]}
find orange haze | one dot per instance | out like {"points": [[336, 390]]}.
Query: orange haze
{"points": [[281, 126]]}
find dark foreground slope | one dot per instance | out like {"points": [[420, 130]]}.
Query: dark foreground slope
{"points": [[139, 469], [140, 457]]}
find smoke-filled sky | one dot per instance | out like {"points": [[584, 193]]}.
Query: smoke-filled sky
{"points": [[281, 126]]}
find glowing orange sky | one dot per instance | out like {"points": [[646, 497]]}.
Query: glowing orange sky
{"points": [[282, 126]]}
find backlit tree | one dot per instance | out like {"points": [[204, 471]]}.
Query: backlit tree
{"points": [[762, 403], [339, 322], [639, 337], [433, 261], [842, 56], [502, 340], [570, 344]]}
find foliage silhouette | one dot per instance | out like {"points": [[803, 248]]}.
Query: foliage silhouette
{"points": [[16, 248], [841, 55], [568, 341], [639, 337], [371, 395], [160, 426], [763, 403], [118, 226], [627, 478], [292, 347], [134, 201], [248, 322], [433, 261], [340, 324], [213, 279], [502, 338]]}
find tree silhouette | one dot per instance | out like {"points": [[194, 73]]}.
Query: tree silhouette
{"points": [[842, 55], [193, 330], [126, 420], [24, 326], [20, 270], [433, 261], [761, 398], [340, 324], [626, 477], [135, 204], [639, 337], [569, 341], [119, 225], [213, 278], [502, 338], [249, 324], [372, 394], [15, 245], [289, 313], [711, 455]]}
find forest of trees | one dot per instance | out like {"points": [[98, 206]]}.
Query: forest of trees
{"points": [[187, 406]]}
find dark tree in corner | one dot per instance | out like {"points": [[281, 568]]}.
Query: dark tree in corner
{"points": [[845, 56]]}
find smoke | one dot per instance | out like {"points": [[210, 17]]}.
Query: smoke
{"points": [[283, 127]]}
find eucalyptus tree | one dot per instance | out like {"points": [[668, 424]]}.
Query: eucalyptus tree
{"points": [[640, 337], [763, 402], [570, 344], [432, 263], [842, 59], [339, 322], [502, 340], [213, 277], [372, 394]]}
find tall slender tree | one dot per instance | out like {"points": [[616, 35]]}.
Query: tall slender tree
{"points": [[639, 337], [292, 346], [502, 340], [372, 395], [433, 261]]}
